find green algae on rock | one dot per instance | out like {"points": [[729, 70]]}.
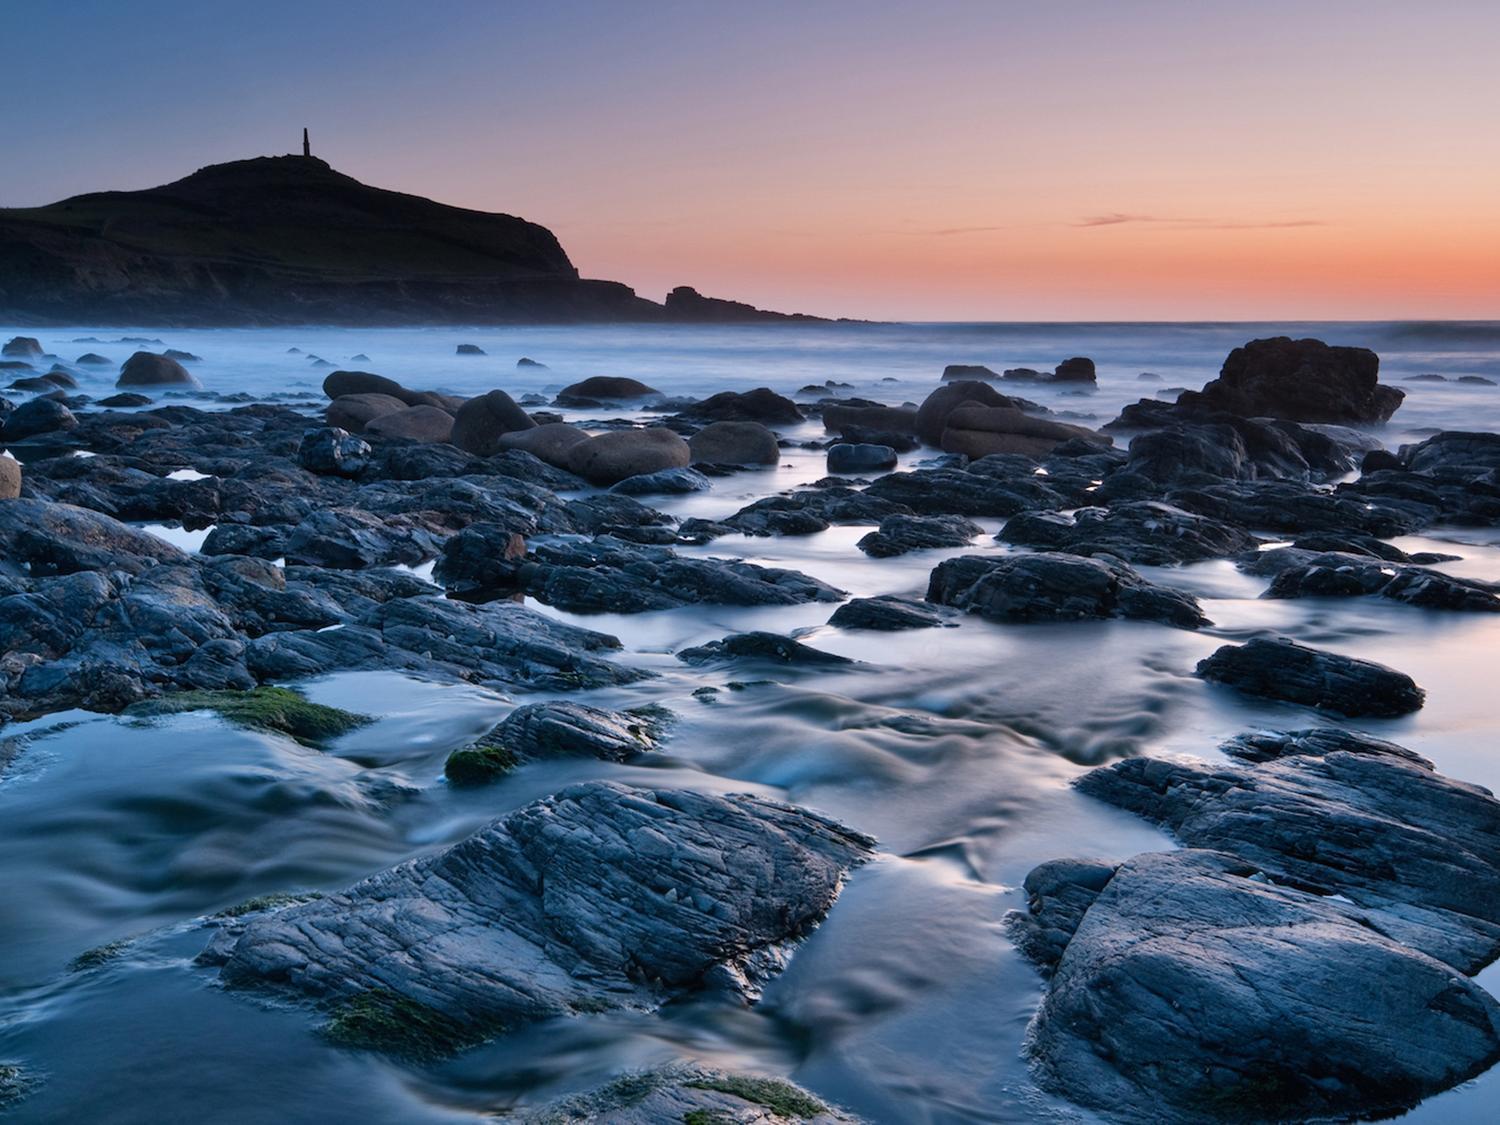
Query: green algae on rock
{"points": [[274, 709]]}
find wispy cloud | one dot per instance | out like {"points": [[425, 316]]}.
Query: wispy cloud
{"points": [[1116, 218], [944, 231]]}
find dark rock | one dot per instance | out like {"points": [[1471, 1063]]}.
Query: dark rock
{"points": [[888, 613], [53, 539], [527, 361], [849, 420], [1144, 532], [969, 371], [734, 443], [1056, 587], [760, 405], [760, 646], [611, 457], [979, 431], [604, 388], [557, 729], [331, 451], [355, 412], [182, 356], [481, 559], [1284, 670], [932, 415], [415, 423], [349, 539], [1475, 380], [1289, 507], [808, 511], [861, 458], [466, 939], [966, 493], [147, 369], [665, 481], [611, 576], [1378, 459], [22, 347], [125, 399], [481, 422], [899, 534], [1340, 575], [60, 376], [469, 349], [1303, 380], [340, 383], [689, 1094], [1079, 369], [1058, 893], [39, 416]]}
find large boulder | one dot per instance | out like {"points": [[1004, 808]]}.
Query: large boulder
{"points": [[39, 416], [341, 383], [610, 457], [1282, 669], [147, 369], [932, 415], [480, 560], [599, 389], [1142, 532], [552, 443], [734, 443], [10, 478], [1303, 380], [978, 431], [600, 896], [415, 423], [1079, 369], [22, 347], [355, 412], [760, 405], [480, 423]]}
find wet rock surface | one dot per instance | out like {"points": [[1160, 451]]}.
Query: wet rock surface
{"points": [[1056, 587], [1306, 957], [899, 534], [559, 908], [1282, 669], [1143, 532]]}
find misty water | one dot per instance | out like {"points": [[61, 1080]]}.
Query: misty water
{"points": [[955, 747]]}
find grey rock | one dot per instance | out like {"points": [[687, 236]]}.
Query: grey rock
{"points": [[600, 895], [331, 451], [1341, 575], [147, 369], [552, 442], [760, 646], [39, 416], [664, 482], [860, 458], [734, 443]]}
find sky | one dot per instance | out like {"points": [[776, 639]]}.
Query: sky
{"points": [[1071, 160]]}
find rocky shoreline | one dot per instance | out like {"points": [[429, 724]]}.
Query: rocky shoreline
{"points": [[1323, 875]]}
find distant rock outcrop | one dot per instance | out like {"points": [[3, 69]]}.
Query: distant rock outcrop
{"points": [[288, 240]]}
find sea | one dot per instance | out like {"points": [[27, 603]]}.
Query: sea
{"points": [[955, 748]]}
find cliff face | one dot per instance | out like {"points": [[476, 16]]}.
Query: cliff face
{"points": [[286, 239]]}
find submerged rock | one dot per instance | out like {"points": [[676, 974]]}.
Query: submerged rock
{"points": [[559, 907], [1056, 587], [899, 534], [1282, 669], [759, 646], [557, 729], [889, 613], [693, 1095]]}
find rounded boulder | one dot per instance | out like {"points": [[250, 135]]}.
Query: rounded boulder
{"points": [[481, 422], [611, 457], [734, 443]]}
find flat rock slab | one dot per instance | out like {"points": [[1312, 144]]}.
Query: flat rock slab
{"points": [[1343, 576], [599, 896], [890, 613], [1056, 587], [1284, 670]]}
